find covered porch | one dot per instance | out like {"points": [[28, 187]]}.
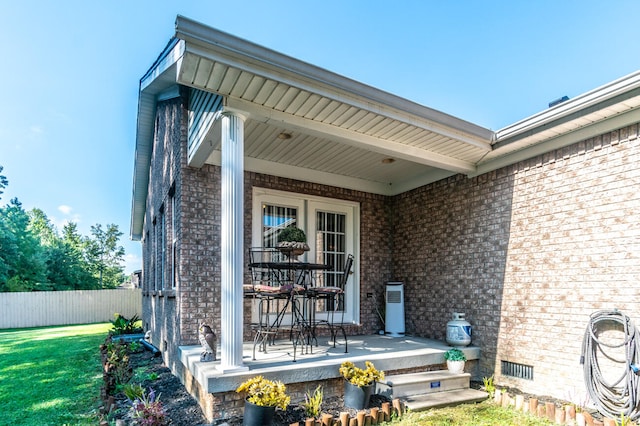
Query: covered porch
{"points": [[255, 112], [393, 355], [431, 200], [387, 353]]}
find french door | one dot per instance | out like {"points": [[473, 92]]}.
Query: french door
{"points": [[332, 234]]}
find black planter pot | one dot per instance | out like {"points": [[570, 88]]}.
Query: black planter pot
{"points": [[256, 415], [357, 397]]}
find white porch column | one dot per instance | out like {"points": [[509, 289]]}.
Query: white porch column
{"points": [[232, 230]]}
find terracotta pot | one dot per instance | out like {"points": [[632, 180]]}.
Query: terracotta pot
{"points": [[257, 415]]}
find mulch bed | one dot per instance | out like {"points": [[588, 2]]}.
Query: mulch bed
{"points": [[182, 409]]}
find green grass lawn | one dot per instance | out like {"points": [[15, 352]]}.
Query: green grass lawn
{"points": [[51, 375], [481, 414]]}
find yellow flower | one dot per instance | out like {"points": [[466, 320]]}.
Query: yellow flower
{"points": [[265, 393], [358, 376]]}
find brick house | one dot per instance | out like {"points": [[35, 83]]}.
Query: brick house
{"points": [[528, 229]]}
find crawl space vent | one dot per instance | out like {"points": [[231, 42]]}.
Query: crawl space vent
{"points": [[519, 371]]}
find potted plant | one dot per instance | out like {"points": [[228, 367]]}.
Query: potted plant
{"points": [[292, 241], [359, 382], [263, 396], [124, 329], [455, 360]]}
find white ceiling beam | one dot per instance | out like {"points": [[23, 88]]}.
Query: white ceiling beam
{"points": [[309, 175], [358, 140]]}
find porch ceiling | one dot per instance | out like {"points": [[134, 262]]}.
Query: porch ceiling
{"points": [[341, 130]]}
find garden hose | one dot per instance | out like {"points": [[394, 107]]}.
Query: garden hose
{"points": [[621, 396]]}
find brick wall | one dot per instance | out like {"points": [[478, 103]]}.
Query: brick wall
{"points": [[161, 312], [174, 316], [528, 253]]}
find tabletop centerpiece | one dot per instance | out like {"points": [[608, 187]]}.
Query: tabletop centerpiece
{"points": [[292, 241]]}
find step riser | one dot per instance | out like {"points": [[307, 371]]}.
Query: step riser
{"points": [[431, 389], [423, 383], [425, 387], [444, 399]]}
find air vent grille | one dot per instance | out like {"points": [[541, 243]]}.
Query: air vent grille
{"points": [[394, 296], [519, 371]]}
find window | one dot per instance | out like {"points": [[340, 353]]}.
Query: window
{"points": [[146, 276], [275, 218], [332, 233], [162, 250], [154, 254], [174, 238]]}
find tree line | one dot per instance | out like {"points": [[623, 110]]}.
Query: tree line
{"points": [[34, 256]]}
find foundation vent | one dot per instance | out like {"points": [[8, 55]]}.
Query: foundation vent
{"points": [[519, 371]]}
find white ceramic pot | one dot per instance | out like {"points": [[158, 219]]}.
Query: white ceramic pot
{"points": [[455, 367]]}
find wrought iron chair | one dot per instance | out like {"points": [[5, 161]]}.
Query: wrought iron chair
{"points": [[334, 303], [265, 288], [276, 291]]}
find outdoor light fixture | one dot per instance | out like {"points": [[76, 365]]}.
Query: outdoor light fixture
{"points": [[388, 160], [284, 136]]}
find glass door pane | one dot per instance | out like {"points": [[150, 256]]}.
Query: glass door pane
{"points": [[275, 218], [331, 234]]}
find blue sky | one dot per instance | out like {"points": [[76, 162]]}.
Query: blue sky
{"points": [[70, 73]]}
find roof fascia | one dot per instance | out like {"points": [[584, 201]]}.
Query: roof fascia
{"points": [[601, 127], [158, 82], [608, 94], [217, 45]]}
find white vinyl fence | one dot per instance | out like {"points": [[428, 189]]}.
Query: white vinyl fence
{"points": [[36, 309]]}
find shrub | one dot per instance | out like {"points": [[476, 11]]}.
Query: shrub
{"points": [[454, 354], [148, 410], [313, 403], [265, 393], [122, 325], [358, 376]]}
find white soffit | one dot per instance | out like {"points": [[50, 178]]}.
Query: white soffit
{"points": [[341, 129], [282, 92]]}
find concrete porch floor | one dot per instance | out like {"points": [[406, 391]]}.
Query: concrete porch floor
{"points": [[387, 353]]}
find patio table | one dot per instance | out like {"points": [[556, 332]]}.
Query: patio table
{"points": [[288, 281]]}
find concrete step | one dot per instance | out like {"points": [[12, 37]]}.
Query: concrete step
{"points": [[402, 385], [443, 399]]}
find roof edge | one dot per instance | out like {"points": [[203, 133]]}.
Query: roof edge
{"points": [[195, 32], [621, 86]]}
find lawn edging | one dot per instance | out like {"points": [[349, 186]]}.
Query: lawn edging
{"points": [[568, 414]]}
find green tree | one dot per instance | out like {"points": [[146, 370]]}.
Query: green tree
{"points": [[34, 257], [71, 236], [42, 228], [67, 269], [77, 271], [3, 182], [22, 260], [105, 255]]}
